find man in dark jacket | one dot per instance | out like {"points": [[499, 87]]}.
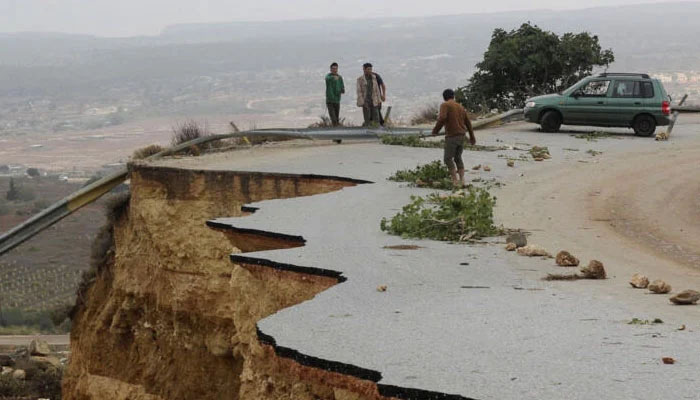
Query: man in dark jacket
{"points": [[456, 122]]}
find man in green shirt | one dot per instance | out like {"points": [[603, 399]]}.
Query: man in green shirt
{"points": [[334, 88]]}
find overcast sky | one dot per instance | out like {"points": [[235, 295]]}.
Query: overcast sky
{"points": [[149, 17]]}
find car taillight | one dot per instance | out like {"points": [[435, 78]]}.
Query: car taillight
{"points": [[666, 107]]}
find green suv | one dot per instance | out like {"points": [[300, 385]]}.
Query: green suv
{"points": [[607, 99]]}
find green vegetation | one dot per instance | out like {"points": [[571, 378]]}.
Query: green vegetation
{"points": [[592, 136], [417, 141], [637, 321], [37, 384], [325, 122], [410, 141], [14, 321], [433, 175], [594, 152], [529, 61], [539, 152], [19, 193], [461, 216]]}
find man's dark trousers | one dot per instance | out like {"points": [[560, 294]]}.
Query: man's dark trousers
{"points": [[334, 113]]}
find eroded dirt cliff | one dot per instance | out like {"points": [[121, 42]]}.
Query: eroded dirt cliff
{"points": [[170, 316]]}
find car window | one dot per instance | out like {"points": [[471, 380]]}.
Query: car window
{"points": [[647, 90], [595, 89], [632, 89], [626, 88]]}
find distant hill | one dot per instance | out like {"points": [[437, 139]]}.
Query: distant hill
{"points": [[417, 56]]}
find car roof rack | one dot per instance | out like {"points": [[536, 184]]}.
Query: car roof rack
{"points": [[605, 74]]}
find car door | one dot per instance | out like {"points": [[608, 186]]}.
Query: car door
{"points": [[626, 101], [587, 104]]}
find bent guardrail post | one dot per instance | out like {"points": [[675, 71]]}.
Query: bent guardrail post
{"points": [[674, 117]]}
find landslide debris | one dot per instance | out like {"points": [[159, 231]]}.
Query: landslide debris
{"points": [[686, 297], [169, 316], [565, 259], [533, 250], [594, 270], [639, 281], [659, 287]]}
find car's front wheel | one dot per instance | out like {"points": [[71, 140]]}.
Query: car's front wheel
{"points": [[551, 121], [644, 125]]}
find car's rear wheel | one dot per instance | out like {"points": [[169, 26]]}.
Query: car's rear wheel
{"points": [[551, 121], [644, 125]]}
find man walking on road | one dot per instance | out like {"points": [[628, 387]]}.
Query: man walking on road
{"points": [[334, 88], [456, 122], [369, 95]]}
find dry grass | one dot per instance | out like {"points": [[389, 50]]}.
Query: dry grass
{"points": [[325, 122], [147, 151], [426, 115], [191, 130]]}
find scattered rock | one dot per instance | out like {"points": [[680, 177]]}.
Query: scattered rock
{"points": [[403, 247], [487, 168], [639, 281], [686, 297], [511, 163], [19, 374], [517, 238], [6, 361], [45, 363], [565, 259], [662, 136], [532, 250], [6, 371], [511, 246], [541, 153], [594, 270], [381, 288], [476, 167], [681, 328], [668, 360], [659, 287], [38, 347]]}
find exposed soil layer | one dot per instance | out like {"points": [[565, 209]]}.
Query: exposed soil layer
{"points": [[170, 316]]}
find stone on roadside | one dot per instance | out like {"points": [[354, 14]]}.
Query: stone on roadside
{"points": [[19, 374], [594, 270], [476, 167], [44, 363], [517, 238], [686, 297], [487, 168], [6, 361], [511, 163], [381, 288], [639, 281], [6, 371], [539, 159], [659, 287], [511, 246], [533, 250], [565, 259], [38, 347]]}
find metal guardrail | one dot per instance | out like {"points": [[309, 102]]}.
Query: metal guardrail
{"points": [[63, 208]]}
